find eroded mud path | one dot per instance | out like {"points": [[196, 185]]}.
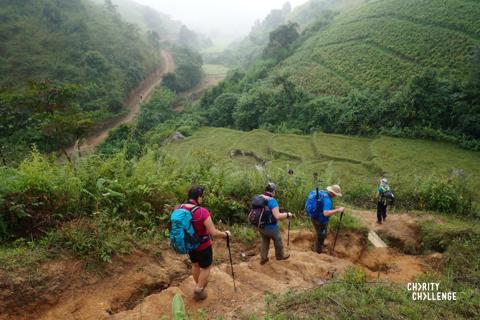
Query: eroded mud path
{"points": [[141, 286]]}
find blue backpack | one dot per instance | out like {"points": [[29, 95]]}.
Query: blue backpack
{"points": [[314, 204], [183, 238]]}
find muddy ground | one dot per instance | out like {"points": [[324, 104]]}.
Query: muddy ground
{"points": [[142, 285]]}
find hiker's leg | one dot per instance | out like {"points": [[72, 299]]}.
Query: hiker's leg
{"points": [[277, 241], [321, 236], [265, 246], [316, 225], [324, 232], [382, 210], [379, 211], [203, 277], [205, 260], [195, 272]]}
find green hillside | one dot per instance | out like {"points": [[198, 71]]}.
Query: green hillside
{"points": [[355, 163], [403, 68], [244, 52], [73, 59], [385, 43]]}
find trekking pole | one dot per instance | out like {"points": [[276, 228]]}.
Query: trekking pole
{"points": [[338, 229], [231, 262], [288, 233]]}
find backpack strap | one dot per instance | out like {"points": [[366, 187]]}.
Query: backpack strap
{"points": [[193, 209], [205, 238]]}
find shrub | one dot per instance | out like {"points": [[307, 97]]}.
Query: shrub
{"points": [[93, 240], [445, 194]]}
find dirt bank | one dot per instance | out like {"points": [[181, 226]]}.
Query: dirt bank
{"points": [[141, 285]]}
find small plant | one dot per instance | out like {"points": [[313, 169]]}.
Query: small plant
{"points": [[178, 308], [355, 276]]}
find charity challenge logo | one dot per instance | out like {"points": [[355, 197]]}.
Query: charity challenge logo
{"points": [[430, 291]]}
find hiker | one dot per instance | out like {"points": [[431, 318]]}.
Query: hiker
{"points": [[270, 230], [384, 195], [202, 256], [319, 207]]}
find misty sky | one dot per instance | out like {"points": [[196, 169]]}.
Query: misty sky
{"points": [[229, 17]]}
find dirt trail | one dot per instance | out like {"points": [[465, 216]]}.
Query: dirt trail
{"points": [[400, 230], [196, 92], [144, 90], [141, 286]]}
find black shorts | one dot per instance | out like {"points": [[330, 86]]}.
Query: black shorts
{"points": [[204, 258]]}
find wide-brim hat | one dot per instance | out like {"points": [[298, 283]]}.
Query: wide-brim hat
{"points": [[335, 189]]}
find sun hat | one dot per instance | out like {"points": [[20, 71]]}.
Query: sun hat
{"points": [[335, 189]]}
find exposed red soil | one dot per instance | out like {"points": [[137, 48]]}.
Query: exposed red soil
{"points": [[141, 285]]}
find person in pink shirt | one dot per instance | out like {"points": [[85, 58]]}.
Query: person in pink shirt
{"points": [[201, 257]]}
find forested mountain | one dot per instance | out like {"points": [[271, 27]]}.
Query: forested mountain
{"points": [[68, 59], [401, 67], [245, 51]]}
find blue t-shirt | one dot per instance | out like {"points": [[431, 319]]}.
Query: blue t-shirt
{"points": [[327, 205], [272, 204]]}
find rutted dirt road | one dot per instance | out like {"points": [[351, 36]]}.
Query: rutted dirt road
{"points": [[141, 285], [141, 94]]}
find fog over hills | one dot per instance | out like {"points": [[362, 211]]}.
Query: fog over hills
{"points": [[216, 17]]}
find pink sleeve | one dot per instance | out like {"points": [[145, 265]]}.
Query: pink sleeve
{"points": [[204, 214]]}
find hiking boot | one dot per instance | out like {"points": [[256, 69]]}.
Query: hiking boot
{"points": [[263, 261], [379, 222], [199, 295], [285, 257], [322, 250]]}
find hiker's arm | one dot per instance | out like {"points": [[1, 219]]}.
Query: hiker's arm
{"points": [[280, 215], [214, 231], [328, 213]]}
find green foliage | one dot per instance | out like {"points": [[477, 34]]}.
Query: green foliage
{"points": [[281, 41], [446, 195], [355, 276], [22, 254], [156, 111], [353, 299], [154, 126], [92, 240], [37, 195], [367, 71], [439, 236], [220, 114], [188, 70], [424, 175], [178, 308], [83, 60]]}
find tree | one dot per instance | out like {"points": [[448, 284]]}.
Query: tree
{"points": [[221, 113], [60, 118], [281, 41]]}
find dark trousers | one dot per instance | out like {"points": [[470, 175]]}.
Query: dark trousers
{"points": [[381, 210], [321, 230], [267, 235]]}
